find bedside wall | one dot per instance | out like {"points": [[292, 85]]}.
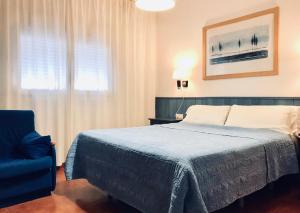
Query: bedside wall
{"points": [[180, 33]]}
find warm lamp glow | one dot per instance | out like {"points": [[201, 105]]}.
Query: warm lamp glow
{"points": [[185, 61], [155, 5], [297, 47], [184, 65], [180, 74]]}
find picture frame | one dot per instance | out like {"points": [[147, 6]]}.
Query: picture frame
{"points": [[246, 46]]}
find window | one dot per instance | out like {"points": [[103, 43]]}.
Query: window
{"points": [[43, 62], [90, 67]]}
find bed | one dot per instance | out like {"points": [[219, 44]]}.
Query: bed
{"points": [[182, 167]]}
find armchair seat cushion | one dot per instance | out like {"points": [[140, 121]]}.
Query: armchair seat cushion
{"points": [[18, 167]]}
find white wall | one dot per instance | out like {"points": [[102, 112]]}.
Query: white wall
{"points": [[180, 33]]}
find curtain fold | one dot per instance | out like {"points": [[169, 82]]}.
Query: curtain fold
{"points": [[79, 64]]}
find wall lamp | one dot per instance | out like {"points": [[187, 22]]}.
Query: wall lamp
{"points": [[155, 5], [181, 76], [182, 84]]}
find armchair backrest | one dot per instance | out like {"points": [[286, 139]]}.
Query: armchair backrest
{"points": [[14, 125]]}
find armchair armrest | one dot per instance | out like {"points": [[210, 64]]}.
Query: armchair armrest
{"points": [[53, 154]]}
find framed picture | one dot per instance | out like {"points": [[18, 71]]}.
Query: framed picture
{"points": [[242, 47]]}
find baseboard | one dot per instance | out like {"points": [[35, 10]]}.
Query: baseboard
{"points": [[61, 166]]}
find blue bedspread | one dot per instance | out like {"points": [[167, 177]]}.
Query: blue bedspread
{"points": [[181, 167]]}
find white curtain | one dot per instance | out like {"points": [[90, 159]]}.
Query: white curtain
{"points": [[78, 64]]}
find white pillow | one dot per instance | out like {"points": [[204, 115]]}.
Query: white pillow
{"points": [[205, 114], [280, 118]]}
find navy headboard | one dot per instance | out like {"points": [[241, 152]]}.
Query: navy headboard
{"points": [[166, 107]]}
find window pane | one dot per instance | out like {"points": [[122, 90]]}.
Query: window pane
{"points": [[43, 62], [90, 67]]}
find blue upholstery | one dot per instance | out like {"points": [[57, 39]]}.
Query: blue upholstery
{"points": [[14, 125], [22, 179], [16, 167], [24, 185], [34, 146]]}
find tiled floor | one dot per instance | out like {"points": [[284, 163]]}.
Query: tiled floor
{"points": [[79, 196]]}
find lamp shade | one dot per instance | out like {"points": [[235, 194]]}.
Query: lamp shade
{"points": [[155, 5], [180, 74]]}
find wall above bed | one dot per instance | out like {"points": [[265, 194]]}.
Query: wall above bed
{"points": [[166, 107], [179, 35]]}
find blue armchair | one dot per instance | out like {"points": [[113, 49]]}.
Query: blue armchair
{"points": [[22, 179]]}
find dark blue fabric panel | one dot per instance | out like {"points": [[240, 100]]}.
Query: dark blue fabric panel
{"points": [[24, 198], [23, 119], [21, 185], [186, 104], [13, 126], [53, 155], [297, 102], [173, 106], [16, 167], [161, 107], [166, 107]]}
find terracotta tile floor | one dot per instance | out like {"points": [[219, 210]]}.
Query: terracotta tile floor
{"points": [[71, 197], [79, 196]]}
